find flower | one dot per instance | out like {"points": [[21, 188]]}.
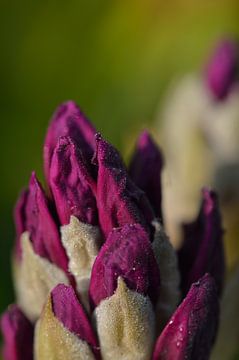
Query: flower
{"points": [[95, 275], [198, 123]]}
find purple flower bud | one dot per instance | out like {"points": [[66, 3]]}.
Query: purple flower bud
{"points": [[119, 200], [70, 313], [43, 231], [18, 335], [127, 253], [202, 249], [68, 120], [191, 331], [20, 220], [222, 69], [71, 184], [145, 170]]}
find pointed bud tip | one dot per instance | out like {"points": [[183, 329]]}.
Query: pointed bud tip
{"points": [[192, 329], [222, 68], [127, 253], [70, 313], [18, 335]]}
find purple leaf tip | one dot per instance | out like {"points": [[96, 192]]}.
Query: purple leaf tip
{"points": [[191, 331], [68, 120], [71, 183], [18, 335], [70, 313], [145, 170], [127, 253], [222, 69], [119, 200], [202, 250], [43, 231]]}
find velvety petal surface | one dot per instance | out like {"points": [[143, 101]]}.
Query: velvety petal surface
{"points": [[18, 335], [119, 200], [70, 313], [68, 120], [43, 231], [145, 170], [71, 184], [222, 69], [127, 253], [202, 249], [191, 331], [20, 220]]}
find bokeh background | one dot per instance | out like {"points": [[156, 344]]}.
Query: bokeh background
{"points": [[116, 58]]}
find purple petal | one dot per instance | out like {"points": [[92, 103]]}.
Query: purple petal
{"points": [[119, 200], [18, 335], [43, 231], [70, 313], [20, 220], [71, 184], [145, 170], [191, 331], [202, 249], [128, 253], [222, 69], [68, 120]]}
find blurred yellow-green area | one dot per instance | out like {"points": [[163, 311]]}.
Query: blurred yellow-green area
{"points": [[114, 57]]}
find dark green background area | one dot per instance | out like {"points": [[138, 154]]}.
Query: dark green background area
{"points": [[115, 58]]}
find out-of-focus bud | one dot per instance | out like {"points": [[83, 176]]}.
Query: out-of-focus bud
{"points": [[41, 226], [71, 183], [119, 200], [222, 69], [199, 129], [63, 330], [68, 120], [145, 170], [127, 253], [18, 335], [202, 249], [191, 331]]}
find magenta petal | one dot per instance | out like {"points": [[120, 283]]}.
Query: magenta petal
{"points": [[68, 120], [128, 253], [20, 220], [70, 313], [222, 69], [145, 170], [202, 249], [71, 184], [43, 231], [192, 329], [119, 200], [18, 335]]}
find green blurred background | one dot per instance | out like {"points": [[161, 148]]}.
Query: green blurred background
{"points": [[114, 57]]}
